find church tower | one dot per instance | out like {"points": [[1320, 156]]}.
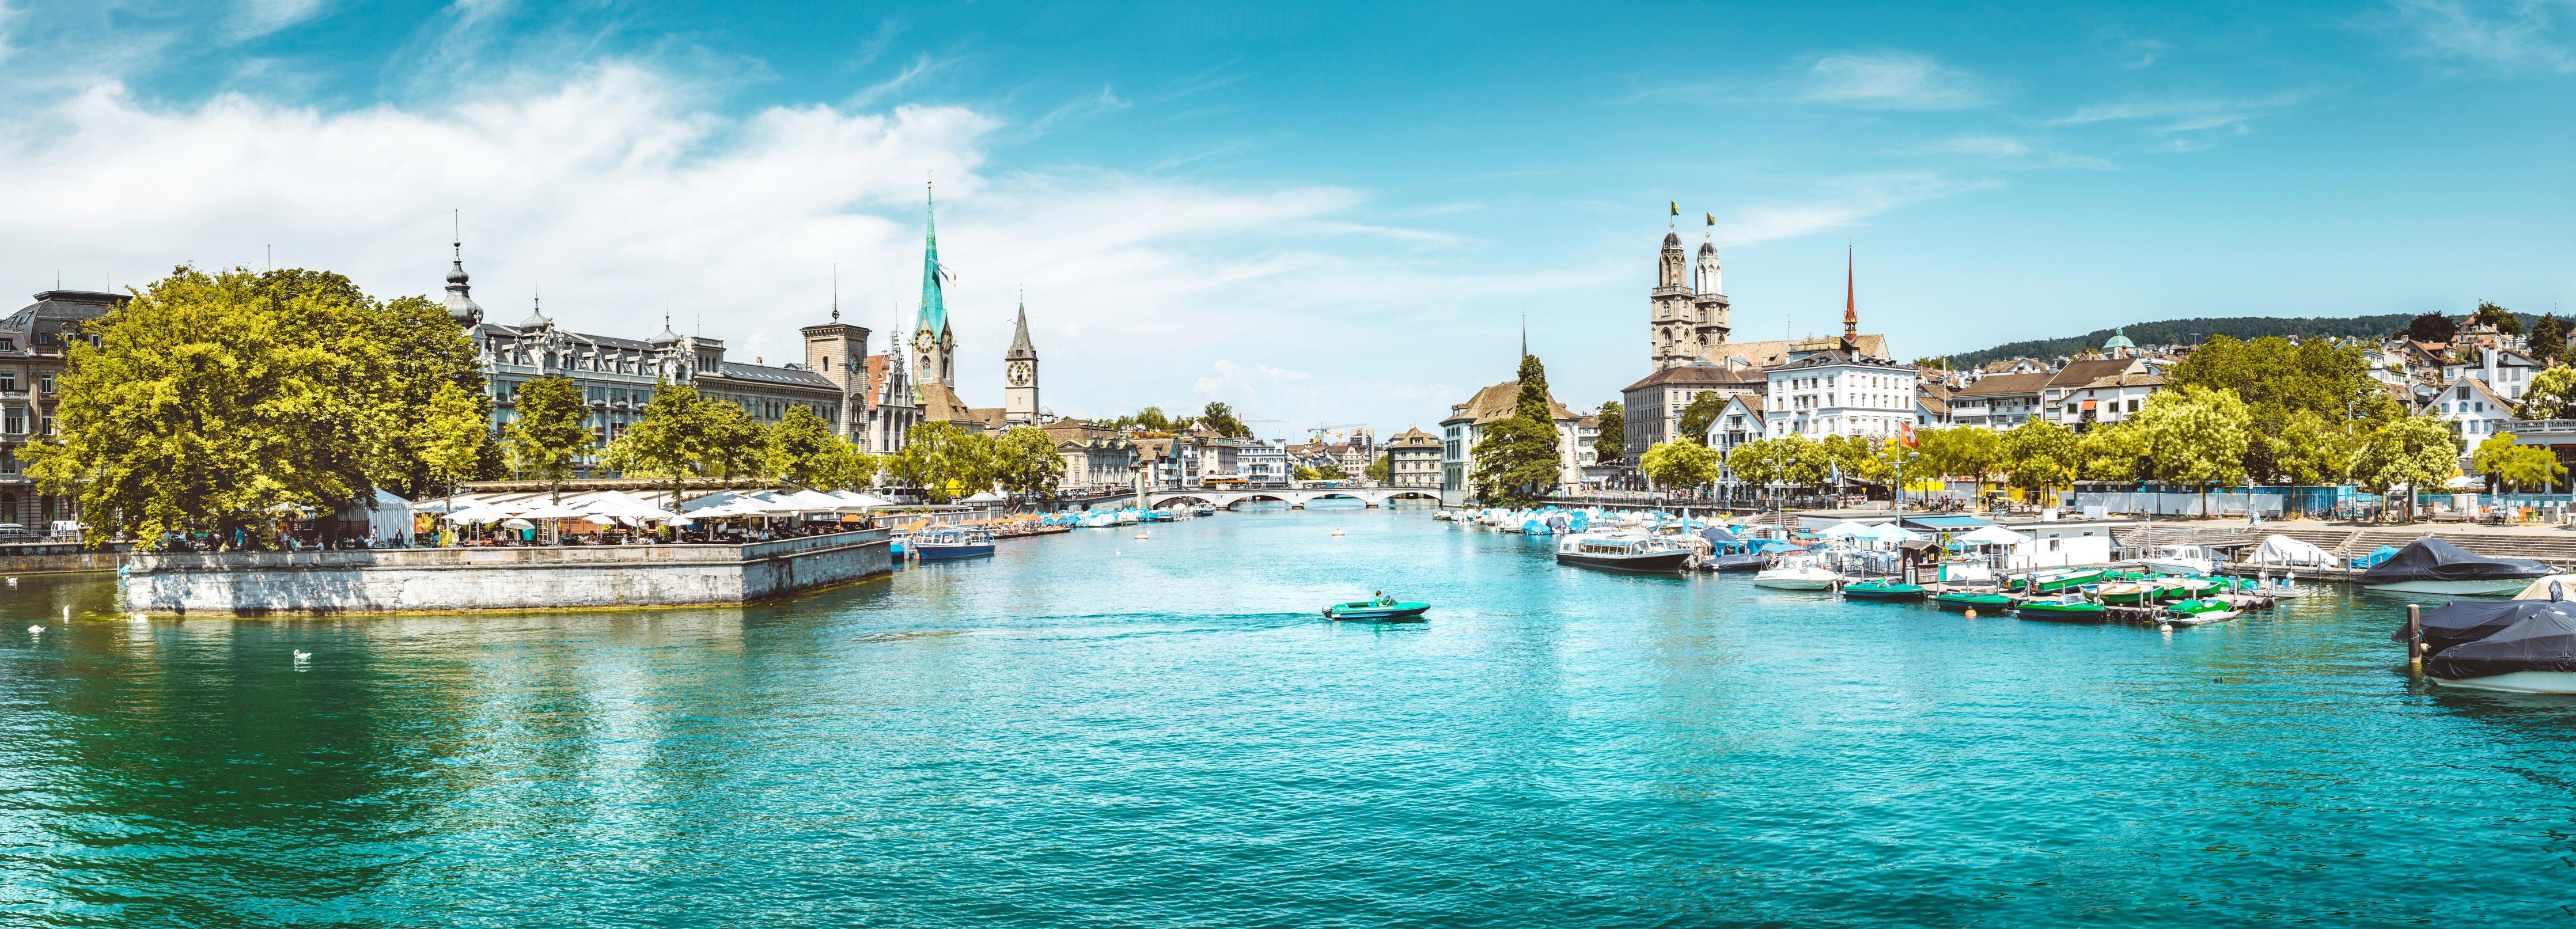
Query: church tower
{"points": [[839, 351], [1709, 304], [1020, 375], [932, 343], [1674, 320]]}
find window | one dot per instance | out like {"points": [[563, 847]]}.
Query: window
{"points": [[8, 382], [13, 423], [45, 383], [8, 345], [44, 338]]}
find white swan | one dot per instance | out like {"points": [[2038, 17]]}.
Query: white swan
{"points": [[300, 656], [35, 630]]}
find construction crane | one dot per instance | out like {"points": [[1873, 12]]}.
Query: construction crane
{"points": [[1316, 433]]}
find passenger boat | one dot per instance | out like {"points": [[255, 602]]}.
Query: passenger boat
{"points": [[1205, 509], [2199, 612], [1406, 611], [1972, 600], [2064, 606], [1639, 553], [2433, 566], [2182, 560], [1882, 589], [1797, 572], [951, 544]]}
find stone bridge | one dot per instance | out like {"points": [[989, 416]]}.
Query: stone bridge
{"points": [[1296, 497]]}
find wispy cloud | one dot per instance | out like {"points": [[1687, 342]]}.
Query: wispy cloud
{"points": [[1106, 101], [1206, 80], [2184, 114], [2010, 151], [2512, 37], [1893, 81], [922, 66], [1840, 203], [255, 18]]}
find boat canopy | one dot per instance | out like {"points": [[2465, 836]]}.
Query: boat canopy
{"points": [[2565, 587], [2281, 550], [2543, 641], [1992, 535], [2464, 621], [2430, 559]]}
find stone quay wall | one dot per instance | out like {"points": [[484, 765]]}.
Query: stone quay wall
{"points": [[56, 557], [462, 579]]}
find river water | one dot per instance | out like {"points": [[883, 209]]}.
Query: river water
{"points": [[1095, 730]]}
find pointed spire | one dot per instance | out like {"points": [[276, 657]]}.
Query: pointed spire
{"points": [[836, 291], [1020, 347], [460, 292], [933, 315], [1524, 339], [1851, 306]]}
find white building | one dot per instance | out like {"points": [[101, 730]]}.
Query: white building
{"points": [[1739, 423], [2507, 373], [1840, 392], [2108, 399], [1262, 462], [2473, 409]]}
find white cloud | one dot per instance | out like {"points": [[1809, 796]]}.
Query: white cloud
{"points": [[254, 18], [1106, 101], [1839, 204], [622, 197], [2207, 117], [1892, 81], [2011, 152], [2516, 36]]}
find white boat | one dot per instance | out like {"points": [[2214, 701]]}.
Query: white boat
{"points": [[2184, 560], [1624, 551], [2483, 587], [2520, 682], [1797, 572]]}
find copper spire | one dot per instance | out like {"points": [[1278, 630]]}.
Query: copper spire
{"points": [[1851, 307]]}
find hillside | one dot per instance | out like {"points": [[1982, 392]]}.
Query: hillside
{"points": [[2191, 332]]}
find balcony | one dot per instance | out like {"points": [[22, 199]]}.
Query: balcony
{"points": [[2540, 431]]}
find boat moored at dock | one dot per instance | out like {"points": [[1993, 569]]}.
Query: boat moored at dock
{"points": [[1883, 590], [945, 544], [1798, 572], [2433, 566], [1634, 552]]}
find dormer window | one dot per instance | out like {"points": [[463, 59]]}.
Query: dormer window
{"points": [[8, 345]]}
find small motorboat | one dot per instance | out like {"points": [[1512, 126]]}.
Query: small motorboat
{"points": [[2123, 592], [1883, 589], [2061, 607], [1972, 600], [2060, 580], [2182, 561], [951, 544], [1409, 610], [1797, 572], [2199, 612], [2433, 566], [1741, 561], [895, 544], [1645, 554]]}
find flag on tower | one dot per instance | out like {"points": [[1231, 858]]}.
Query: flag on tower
{"points": [[1712, 219], [1677, 208]]}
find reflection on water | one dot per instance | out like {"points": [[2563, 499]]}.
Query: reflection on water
{"points": [[1096, 729]]}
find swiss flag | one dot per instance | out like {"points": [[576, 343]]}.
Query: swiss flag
{"points": [[1905, 434]]}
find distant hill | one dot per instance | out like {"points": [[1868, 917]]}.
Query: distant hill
{"points": [[2192, 332]]}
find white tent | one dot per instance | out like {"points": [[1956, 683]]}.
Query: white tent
{"points": [[1846, 530], [986, 497], [860, 500], [2283, 551], [1992, 535], [388, 518], [1890, 532], [814, 501]]}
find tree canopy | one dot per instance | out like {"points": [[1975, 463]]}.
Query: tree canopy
{"points": [[1680, 464], [214, 401], [1702, 410], [1612, 444], [2433, 328], [1516, 460], [2552, 394], [2504, 320], [1220, 419], [548, 430], [1025, 461], [2548, 338]]}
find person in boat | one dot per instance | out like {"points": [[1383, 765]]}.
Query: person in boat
{"points": [[1383, 600]]}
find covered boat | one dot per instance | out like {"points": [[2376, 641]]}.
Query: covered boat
{"points": [[1972, 600], [2433, 566], [2536, 654], [2463, 621], [2198, 612], [2068, 606], [1741, 561], [1882, 590], [2280, 551]]}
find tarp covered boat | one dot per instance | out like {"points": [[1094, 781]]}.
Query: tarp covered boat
{"points": [[2431, 565], [2463, 621], [2534, 655]]}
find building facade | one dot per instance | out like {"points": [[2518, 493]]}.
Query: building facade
{"points": [[1413, 459], [1840, 393], [33, 342], [1655, 402], [1020, 375]]}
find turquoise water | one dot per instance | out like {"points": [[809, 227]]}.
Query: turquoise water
{"points": [[1094, 730]]}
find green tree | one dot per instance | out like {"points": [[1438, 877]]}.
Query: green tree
{"points": [[732, 444], [213, 401], [2111, 452], [453, 433], [426, 352], [944, 461], [2311, 450], [2432, 328], [1153, 419], [1027, 462], [2192, 436], [2548, 338], [1680, 464], [804, 450], [1804, 462], [1702, 410], [2516, 466], [1220, 419], [1757, 463], [548, 430], [2552, 394], [662, 441], [1612, 444], [2278, 381], [2414, 452], [2041, 455], [1516, 460], [2502, 319], [1381, 469]]}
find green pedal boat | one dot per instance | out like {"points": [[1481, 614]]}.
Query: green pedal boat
{"points": [[1965, 600], [2199, 612], [2064, 607], [1409, 611], [1882, 590]]}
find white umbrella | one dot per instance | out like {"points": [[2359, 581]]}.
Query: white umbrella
{"points": [[516, 523], [986, 497], [1845, 530], [550, 511], [863, 501], [1992, 535], [1890, 532], [597, 519]]}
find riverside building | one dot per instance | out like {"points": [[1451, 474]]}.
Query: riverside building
{"points": [[32, 345]]}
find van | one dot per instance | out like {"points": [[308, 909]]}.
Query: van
{"points": [[68, 527]]}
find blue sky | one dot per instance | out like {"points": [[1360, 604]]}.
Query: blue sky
{"points": [[1318, 212]]}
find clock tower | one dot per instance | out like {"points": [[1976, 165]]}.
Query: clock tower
{"points": [[1020, 376]]}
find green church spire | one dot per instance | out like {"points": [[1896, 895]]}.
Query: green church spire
{"points": [[934, 308]]}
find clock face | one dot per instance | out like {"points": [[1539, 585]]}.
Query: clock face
{"points": [[921, 340], [1019, 374]]}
